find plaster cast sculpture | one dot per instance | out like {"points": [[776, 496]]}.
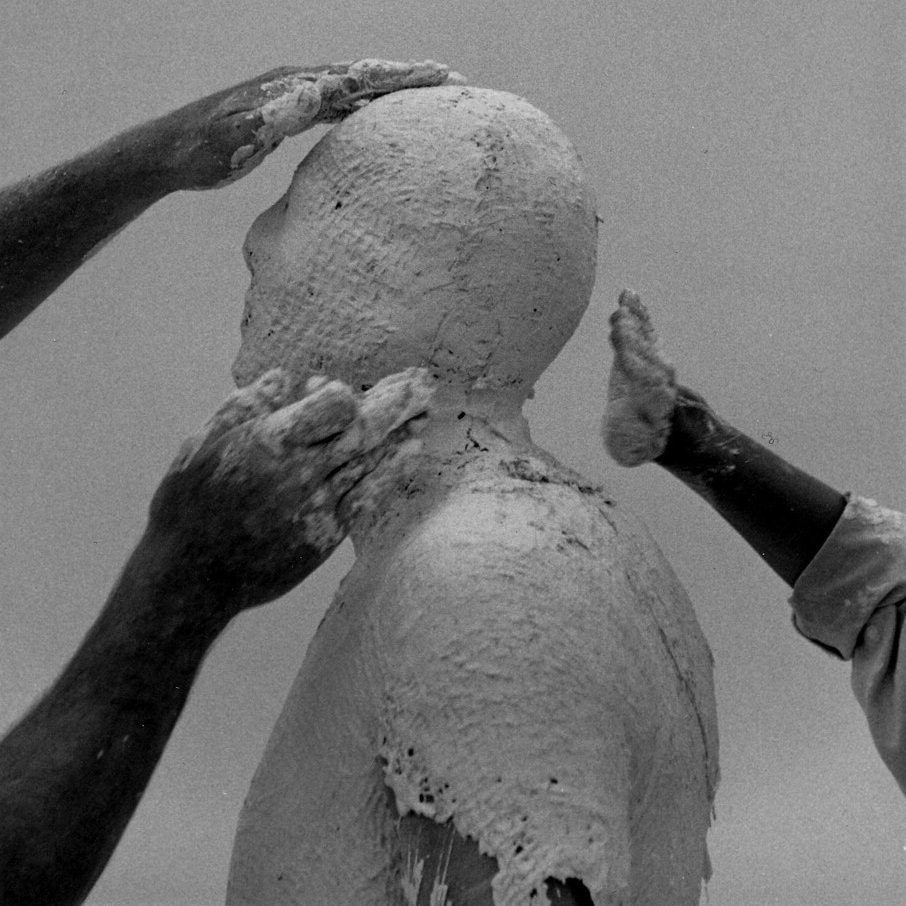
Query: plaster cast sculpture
{"points": [[510, 650]]}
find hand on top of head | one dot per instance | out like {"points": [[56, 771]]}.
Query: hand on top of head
{"points": [[221, 138], [266, 490]]}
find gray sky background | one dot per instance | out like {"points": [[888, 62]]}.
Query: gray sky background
{"points": [[749, 162]]}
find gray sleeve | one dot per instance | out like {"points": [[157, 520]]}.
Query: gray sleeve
{"points": [[851, 599]]}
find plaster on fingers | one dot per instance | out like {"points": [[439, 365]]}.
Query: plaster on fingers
{"points": [[321, 529], [367, 494], [387, 75], [297, 99], [364, 80], [355, 490], [392, 402], [293, 105], [292, 110], [270, 392], [642, 391], [329, 411], [638, 354]]}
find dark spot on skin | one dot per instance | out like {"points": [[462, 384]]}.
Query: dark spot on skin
{"points": [[338, 205], [461, 415], [366, 387]]}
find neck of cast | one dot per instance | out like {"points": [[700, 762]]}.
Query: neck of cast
{"points": [[467, 434]]}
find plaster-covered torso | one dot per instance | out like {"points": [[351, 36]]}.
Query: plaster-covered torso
{"points": [[510, 650]]}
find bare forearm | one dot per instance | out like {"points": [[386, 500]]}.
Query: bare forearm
{"points": [[73, 770], [252, 505], [784, 513], [49, 223]]}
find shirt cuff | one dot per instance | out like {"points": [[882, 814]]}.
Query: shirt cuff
{"points": [[859, 568]]}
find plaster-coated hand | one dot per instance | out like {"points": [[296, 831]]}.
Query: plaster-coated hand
{"points": [[641, 394], [265, 492], [221, 138]]}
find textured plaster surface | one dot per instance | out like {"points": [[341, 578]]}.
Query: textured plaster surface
{"points": [[477, 265], [510, 650]]}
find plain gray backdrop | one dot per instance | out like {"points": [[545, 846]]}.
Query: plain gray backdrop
{"points": [[749, 163]]}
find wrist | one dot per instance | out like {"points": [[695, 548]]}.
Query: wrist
{"points": [[696, 436]]}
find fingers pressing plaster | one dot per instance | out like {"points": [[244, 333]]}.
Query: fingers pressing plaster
{"points": [[297, 99], [269, 393], [291, 111], [358, 488], [320, 527], [366, 79], [386, 75], [396, 399], [365, 496], [330, 410], [642, 391], [386, 406]]}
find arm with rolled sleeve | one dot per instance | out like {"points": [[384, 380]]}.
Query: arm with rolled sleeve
{"points": [[843, 556], [851, 599]]}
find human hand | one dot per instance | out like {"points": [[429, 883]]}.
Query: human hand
{"points": [[221, 138], [641, 394], [265, 492]]}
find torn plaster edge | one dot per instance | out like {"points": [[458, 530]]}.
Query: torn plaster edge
{"points": [[513, 885], [601, 864]]}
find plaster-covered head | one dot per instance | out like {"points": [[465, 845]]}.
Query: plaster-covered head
{"points": [[450, 227]]}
